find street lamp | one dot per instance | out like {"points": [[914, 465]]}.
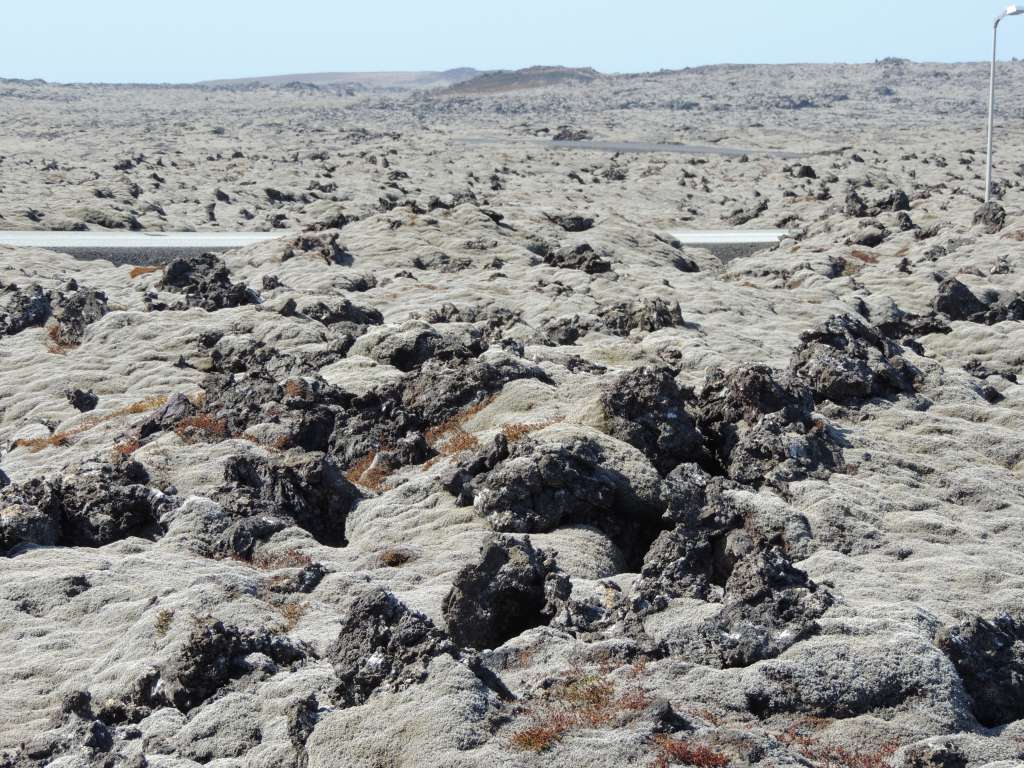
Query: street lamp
{"points": [[1012, 10]]}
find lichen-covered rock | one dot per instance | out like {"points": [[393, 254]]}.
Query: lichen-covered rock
{"points": [[845, 361], [582, 257], [213, 654], [512, 588], [414, 343], [991, 217], [383, 643], [769, 605], [437, 391]]}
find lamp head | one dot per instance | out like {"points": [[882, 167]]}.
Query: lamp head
{"points": [[1013, 10]]}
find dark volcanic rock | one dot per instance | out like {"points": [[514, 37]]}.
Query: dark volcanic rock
{"points": [[410, 349], [844, 361], [75, 312], [108, 504], [990, 216], [212, 655], [742, 215], [582, 257], [769, 606], [206, 283], [540, 487], [956, 301], [305, 488], [383, 643], [570, 222], [761, 427], [854, 206], [437, 391], [81, 400], [94, 506], [503, 595], [646, 314], [22, 308], [989, 656], [646, 408]]}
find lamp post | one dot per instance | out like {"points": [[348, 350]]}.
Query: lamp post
{"points": [[1012, 10]]}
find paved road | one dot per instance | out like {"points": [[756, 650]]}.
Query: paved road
{"points": [[144, 248], [638, 146], [138, 248]]}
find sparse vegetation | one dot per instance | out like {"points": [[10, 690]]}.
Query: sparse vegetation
{"points": [[292, 613], [201, 427], [517, 431], [393, 557], [140, 271], [369, 473], [825, 755], [164, 619], [450, 438], [579, 700], [672, 751], [63, 437]]}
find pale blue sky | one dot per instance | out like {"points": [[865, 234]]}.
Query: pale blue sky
{"points": [[189, 40]]}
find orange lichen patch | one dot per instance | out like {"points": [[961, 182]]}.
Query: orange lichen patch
{"points": [[685, 752], [517, 431], [449, 438], [125, 449], [393, 557], [201, 427], [140, 271], [369, 472], [63, 437]]}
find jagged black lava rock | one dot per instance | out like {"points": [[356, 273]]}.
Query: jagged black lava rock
{"points": [[213, 655], [769, 606], [81, 400], [75, 312], [582, 257], [410, 349], [92, 507], [957, 302], [206, 283], [512, 588], [570, 222], [989, 656], [438, 390], [383, 643], [646, 408], [22, 308], [343, 312], [305, 488], [760, 425], [845, 361], [646, 314], [542, 486]]}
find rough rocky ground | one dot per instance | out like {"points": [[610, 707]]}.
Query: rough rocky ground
{"points": [[481, 468]]}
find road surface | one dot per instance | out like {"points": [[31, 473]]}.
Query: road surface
{"points": [[637, 146], [138, 248], [148, 248]]}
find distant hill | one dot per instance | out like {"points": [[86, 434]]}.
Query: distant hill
{"points": [[520, 79], [358, 80]]}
